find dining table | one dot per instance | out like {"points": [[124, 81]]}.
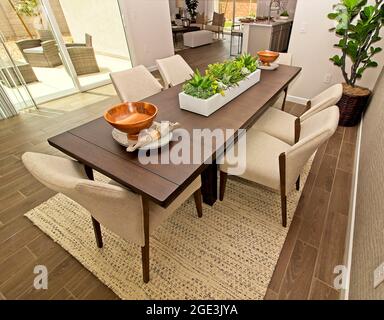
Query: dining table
{"points": [[92, 144]]}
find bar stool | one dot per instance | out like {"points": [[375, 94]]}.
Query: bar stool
{"points": [[239, 34]]}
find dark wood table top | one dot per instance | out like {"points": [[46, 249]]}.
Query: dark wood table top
{"points": [[93, 145]]}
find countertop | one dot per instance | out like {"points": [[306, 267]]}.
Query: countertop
{"points": [[267, 24]]}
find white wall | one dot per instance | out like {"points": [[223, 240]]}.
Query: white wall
{"points": [[99, 18], [148, 29], [313, 48]]}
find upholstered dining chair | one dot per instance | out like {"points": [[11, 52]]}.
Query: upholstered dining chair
{"points": [[284, 58], [174, 70], [217, 24], [278, 165], [115, 207], [200, 21], [37, 53], [135, 84], [287, 127]]}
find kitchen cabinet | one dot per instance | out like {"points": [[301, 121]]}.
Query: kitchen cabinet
{"points": [[266, 36]]}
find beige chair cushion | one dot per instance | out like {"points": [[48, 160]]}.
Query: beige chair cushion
{"points": [[263, 153], [38, 50], [282, 125], [115, 207], [324, 100], [174, 70], [315, 131], [277, 123], [135, 84], [284, 58]]}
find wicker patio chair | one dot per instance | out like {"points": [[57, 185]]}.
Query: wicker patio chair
{"points": [[40, 54], [83, 59], [217, 24], [45, 35]]}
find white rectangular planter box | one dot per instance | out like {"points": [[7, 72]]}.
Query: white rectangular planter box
{"points": [[208, 106]]}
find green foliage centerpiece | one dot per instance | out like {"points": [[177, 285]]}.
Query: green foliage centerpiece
{"points": [[220, 76], [221, 82]]}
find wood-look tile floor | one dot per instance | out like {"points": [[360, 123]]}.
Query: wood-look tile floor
{"points": [[315, 242]]}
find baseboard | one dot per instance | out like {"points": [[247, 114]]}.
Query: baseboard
{"points": [[344, 294], [298, 100]]}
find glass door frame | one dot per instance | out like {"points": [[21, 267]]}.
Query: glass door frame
{"points": [[22, 100], [49, 14]]}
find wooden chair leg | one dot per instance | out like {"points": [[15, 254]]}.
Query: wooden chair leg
{"points": [[97, 230], [284, 210], [282, 167], [298, 184], [145, 248], [223, 183], [198, 203]]}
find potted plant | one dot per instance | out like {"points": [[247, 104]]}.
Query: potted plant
{"points": [[358, 26], [284, 15], [222, 82], [30, 8], [192, 8]]}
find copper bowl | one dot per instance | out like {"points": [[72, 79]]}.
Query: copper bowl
{"points": [[131, 117], [267, 57]]}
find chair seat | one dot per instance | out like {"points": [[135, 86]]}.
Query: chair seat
{"points": [[158, 214], [34, 50], [213, 28], [263, 151], [278, 124]]}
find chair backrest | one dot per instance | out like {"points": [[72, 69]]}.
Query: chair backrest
{"points": [[218, 19], [88, 40], [174, 70], [314, 133], [45, 35], [114, 207], [285, 58], [200, 18], [135, 84], [324, 100]]}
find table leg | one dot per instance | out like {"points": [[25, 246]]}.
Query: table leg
{"points": [[209, 184]]}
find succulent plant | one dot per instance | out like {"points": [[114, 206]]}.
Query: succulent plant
{"points": [[220, 76]]}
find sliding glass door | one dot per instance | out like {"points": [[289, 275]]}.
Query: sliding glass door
{"points": [[235, 10], [94, 38], [54, 48], [14, 92]]}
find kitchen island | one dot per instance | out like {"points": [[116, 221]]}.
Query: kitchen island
{"points": [[266, 35]]}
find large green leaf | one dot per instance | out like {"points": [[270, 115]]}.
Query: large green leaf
{"points": [[337, 60]]}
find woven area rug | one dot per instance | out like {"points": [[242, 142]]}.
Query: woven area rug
{"points": [[230, 253]]}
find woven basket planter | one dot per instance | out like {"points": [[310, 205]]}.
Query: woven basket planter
{"points": [[352, 105]]}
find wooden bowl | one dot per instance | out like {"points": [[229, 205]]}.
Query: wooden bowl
{"points": [[131, 117], [267, 57]]}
